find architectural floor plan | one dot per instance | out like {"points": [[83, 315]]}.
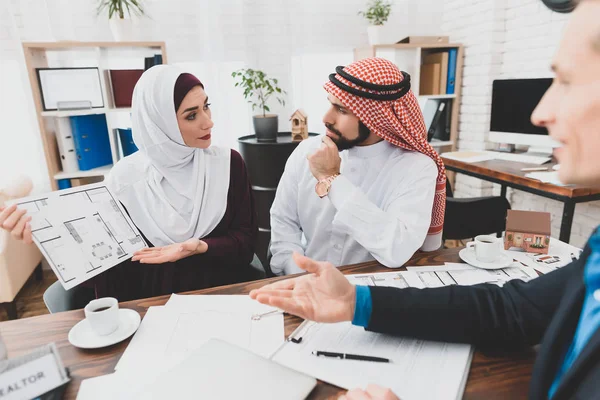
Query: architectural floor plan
{"points": [[81, 231]]}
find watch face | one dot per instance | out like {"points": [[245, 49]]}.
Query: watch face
{"points": [[321, 189]]}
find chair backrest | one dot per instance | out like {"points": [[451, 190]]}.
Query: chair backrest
{"points": [[57, 299]]}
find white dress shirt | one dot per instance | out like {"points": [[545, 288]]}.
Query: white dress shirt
{"points": [[378, 208]]}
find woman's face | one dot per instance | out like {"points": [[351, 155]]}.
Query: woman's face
{"points": [[194, 119]]}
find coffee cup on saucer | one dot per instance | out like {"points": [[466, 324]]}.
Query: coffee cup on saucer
{"points": [[103, 315], [487, 248]]}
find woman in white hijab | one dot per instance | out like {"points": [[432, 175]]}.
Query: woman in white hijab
{"points": [[191, 201]]}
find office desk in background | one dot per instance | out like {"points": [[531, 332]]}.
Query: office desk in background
{"points": [[491, 377], [509, 174]]}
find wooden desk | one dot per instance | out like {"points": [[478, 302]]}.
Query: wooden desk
{"points": [[491, 377], [509, 174]]}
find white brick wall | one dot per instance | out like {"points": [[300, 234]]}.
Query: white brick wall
{"points": [[506, 39], [297, 41]]}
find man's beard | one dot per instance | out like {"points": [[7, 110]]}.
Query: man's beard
{"points": [[345, 144]]}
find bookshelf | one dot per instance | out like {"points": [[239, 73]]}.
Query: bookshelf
{"points": [[105, 56], [409, 57]]}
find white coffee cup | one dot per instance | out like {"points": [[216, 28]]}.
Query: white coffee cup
{"points": [[487, 248], [103, 315]]}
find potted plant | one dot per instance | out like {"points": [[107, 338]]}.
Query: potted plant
{"points": [[258, 88], [377, 14], [119, 16]]}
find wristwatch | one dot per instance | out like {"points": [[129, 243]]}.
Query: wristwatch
{"points": [[324, 185]]}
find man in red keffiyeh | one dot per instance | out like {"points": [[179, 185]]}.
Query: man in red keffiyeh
{"points": [[380, 187]]}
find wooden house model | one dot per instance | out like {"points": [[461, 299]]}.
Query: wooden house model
{"points": [[299, 126], [528, 230]]}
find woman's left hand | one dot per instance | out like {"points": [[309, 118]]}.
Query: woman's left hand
{"points": [[170, 253]]}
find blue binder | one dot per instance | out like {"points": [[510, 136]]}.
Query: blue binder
{"points": [[90, 133], [452, 54], [127, 143]]}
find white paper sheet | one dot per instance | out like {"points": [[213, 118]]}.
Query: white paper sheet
{"points": [[419, 369], [168, 334], [564, 251], [82, 231], [465, 274]]}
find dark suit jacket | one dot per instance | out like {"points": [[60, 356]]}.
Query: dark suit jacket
{"points": [[545, 310]]}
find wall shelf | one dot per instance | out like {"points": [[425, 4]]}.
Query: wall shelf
{"points": [[100, 171], [107, 55]]}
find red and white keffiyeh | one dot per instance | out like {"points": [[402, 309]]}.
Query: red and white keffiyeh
{"points": [[379, 94]]}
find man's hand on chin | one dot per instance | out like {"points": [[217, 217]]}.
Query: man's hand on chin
{"points": [[325, 161]]}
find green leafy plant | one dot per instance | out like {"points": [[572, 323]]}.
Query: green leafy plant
{"points": [[120, 7], [537, 246], [510, 237], [258, 88], [377, 12]]}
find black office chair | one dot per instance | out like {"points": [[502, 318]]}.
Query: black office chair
{"points": [[470, 217]]}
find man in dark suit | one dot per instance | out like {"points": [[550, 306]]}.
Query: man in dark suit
{"points": [[560, 310]]}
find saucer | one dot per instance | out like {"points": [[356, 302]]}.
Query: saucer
{"points": [[82, 335], [468, 256]]}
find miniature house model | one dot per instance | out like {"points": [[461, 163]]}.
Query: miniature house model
{"points": [[299, 126], [528, 230]]}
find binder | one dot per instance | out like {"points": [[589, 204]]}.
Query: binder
{"points": [[452, 55], [92, 145], [430, 79], [436, 119], [148, 62], [442, 59], [122, 83], [66, 145], [127, 144]]}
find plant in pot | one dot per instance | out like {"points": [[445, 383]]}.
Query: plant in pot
{"points": [[120, 13], [258, 88], [377, 14]]}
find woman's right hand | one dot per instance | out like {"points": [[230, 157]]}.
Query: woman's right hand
{"points": [[16, 221]]}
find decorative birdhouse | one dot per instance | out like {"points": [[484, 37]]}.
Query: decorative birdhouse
{"points": [[528, 230], [299, 126]]}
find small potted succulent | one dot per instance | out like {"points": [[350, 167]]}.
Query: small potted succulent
{"points": [[377, 14], [120, 13], [258, 88]]}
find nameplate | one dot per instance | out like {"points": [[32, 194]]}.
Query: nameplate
{"points": [[32, 378]]}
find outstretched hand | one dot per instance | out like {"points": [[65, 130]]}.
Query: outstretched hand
{"points": [[170, 253], [325, 295]]}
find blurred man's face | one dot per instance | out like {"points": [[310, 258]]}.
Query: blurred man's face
{"points": [[570, 109]]}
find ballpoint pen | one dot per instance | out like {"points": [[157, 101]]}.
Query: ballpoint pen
{"points": [[345, 356]]}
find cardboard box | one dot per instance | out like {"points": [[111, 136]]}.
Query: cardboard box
{"points": [[426, 39]]}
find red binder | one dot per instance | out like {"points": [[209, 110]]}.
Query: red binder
{"points": [[123, 81]]}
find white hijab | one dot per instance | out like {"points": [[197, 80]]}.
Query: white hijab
{"points": [[172, 192]]}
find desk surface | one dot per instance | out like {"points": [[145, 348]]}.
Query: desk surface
{"points": [[510, 172], [491, 377]]}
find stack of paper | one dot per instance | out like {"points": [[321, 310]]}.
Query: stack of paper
{"points": [[170, 333]]}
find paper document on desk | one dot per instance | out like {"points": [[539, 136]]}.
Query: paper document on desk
{"points": [[466, 275], [442, 275], [418, 369], [81, 232], [563, 251], [469, 156], [168, 334], [546, 177]]}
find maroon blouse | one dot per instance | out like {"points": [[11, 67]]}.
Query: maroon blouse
{"points": [[230, 251]]}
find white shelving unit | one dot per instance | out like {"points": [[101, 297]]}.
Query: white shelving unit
{"points": [[91, 111], [408, 57], [105, 56]]}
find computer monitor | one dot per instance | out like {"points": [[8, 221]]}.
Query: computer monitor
{"points": [[513, 102]]}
